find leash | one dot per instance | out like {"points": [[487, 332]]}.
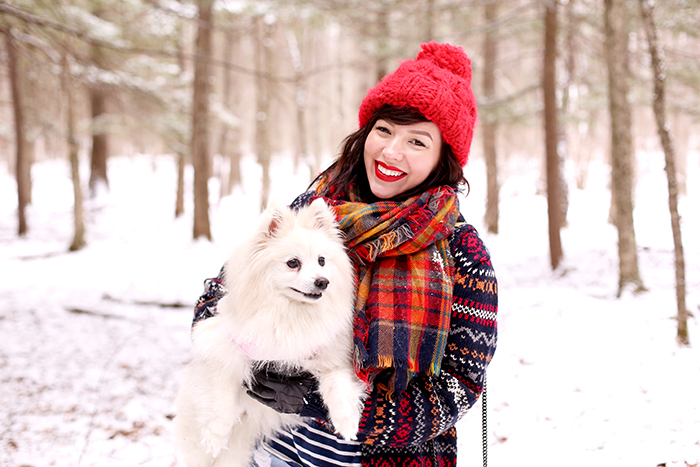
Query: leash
{"points": [[484, 431]]}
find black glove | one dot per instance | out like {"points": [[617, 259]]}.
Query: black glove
{"points": [[283, 393]]}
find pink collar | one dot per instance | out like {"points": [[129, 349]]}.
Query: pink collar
{"points": [[254, 353], [250, 350]]}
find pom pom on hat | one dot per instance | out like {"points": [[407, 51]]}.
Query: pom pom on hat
{"points": [[438, 84], [449, 57]]}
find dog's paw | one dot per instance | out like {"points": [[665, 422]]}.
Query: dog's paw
{"points": [[347, 429], [213, 443], [346, 423], [344, 395]]}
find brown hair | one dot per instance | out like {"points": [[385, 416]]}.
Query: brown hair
{"points": [[349, 168]]}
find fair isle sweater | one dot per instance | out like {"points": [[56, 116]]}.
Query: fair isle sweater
{"points": [[417, 427]]}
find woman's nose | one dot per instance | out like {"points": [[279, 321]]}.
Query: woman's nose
{"points": [[392, 149]]}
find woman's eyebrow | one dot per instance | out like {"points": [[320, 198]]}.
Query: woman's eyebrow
{"points": [[424, 133]]}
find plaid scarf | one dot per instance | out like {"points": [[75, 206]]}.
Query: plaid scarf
{"points": [[405, 275]]}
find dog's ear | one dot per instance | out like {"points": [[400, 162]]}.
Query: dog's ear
{"points": [[275, 223], [324, 216], [272, 219]]}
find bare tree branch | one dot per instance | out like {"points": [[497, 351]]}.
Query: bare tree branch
{"points": [[84, 36]]}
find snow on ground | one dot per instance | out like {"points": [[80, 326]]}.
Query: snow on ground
{"points": [[93, 343]]}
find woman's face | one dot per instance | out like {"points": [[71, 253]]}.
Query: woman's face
{"points": [[400, 157]]}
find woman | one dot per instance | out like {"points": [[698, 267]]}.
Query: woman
{"points": [[425, 323]]}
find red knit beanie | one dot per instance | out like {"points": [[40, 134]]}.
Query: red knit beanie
{"points": [[438, 84]]}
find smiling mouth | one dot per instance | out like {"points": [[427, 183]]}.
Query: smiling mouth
{"points": [[312, 296], [387, 174]]}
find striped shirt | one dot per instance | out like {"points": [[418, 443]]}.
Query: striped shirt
{"points": [[312, 445]]}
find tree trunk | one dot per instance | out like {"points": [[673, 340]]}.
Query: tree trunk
{"points": [[681, 122], [621, 150], [100, 148], [342, 89], [234, 151], [316, 43], [180, 193], [382, 41], [181, 157], [300, 99], [230, 154], [564, 145], [549, 83], [78, 218], [302, 146], [200, 120], [22, 165], [659, 105], [577, 149], [262, 127], [489, 127], [235, 177], [429, 20]]}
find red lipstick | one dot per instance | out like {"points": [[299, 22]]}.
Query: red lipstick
{"points": [[385, 177]]}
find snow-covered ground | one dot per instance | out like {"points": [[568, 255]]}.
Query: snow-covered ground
{"points": [[93, 343]]}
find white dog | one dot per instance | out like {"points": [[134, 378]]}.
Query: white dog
{"points": [[290, 292]]}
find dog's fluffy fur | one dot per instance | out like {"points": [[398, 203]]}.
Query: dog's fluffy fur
{"points": [[289, 299]]}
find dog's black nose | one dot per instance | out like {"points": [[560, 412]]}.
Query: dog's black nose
{"points": [[321, 283]]}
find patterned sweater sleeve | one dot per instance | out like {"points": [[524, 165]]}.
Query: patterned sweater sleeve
{"points": [[433, 404], [206, 305]]}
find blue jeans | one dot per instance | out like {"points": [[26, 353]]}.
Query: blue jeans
{"points": [[262, 458]]}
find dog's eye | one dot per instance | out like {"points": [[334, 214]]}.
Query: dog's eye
{"points": [[294, 263], [321, 260]]}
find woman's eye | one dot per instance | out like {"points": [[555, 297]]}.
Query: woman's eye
{"points": [[321, 261], [382, 129], [418, 142], [293, 263]]}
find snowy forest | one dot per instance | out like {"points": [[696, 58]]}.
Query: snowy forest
{"points": [[140, 138]]}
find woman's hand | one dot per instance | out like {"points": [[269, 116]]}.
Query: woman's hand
{"points": [[281, 392]]}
